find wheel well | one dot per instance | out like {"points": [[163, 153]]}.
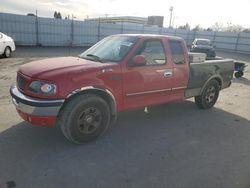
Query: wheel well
{"points": [[218, 80], [99, 92], [9, 48]]}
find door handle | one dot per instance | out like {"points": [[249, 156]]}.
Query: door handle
{"points": [[168, 74], [107, 70]]}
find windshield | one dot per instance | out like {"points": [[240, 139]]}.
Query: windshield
{"points": [[203, 42], [110, 49]]}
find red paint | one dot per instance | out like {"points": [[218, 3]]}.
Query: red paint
{"points": [[150, 78], [38, 120], [72, 73]]}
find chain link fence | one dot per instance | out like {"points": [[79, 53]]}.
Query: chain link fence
{"points": [[32, 30]]}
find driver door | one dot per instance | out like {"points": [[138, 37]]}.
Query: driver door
{"points": [[149, 84]]}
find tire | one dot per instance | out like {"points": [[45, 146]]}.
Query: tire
{"points": [[84, 118], [209, 95], [214, 55], [242, 73], [7, 52], [238, 74]]}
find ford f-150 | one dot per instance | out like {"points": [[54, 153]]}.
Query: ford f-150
{"points": [[83, 95]]}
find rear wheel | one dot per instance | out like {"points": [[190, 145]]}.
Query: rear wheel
{"points": [[209, 95], [7, 52], [84, 118]]}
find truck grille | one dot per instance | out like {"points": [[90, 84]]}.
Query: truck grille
{"points": [[21, 82]]}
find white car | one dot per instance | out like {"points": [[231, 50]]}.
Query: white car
{"points": [[7, 45]]}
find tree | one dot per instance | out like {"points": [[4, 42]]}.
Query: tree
{"points": [[186, 27], [31, 14], [246, 30], [55, 14], [59, 16], [198, 28], [218, 26], [233, 28]]}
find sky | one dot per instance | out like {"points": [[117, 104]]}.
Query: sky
{"points": [[202, 12]]}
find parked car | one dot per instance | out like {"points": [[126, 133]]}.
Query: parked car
{"points": [[83, 95], [7, 45], [239, 68], [204, 46]]}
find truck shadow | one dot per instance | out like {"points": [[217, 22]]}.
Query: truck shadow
{"points": [[165, 133], [241, 80]]}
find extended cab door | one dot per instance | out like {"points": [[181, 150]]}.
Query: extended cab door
{"points": [[151, 83], [180, 61]]}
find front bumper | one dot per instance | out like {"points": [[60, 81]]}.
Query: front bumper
{"points": [[36, 111]]}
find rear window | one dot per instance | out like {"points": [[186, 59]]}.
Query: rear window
{"points": [[203, 42], [177, 52]]}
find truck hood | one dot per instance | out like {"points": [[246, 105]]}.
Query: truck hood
{"points": [[55, 66]]}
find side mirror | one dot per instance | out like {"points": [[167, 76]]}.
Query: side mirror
{"points": [[139, 60]]}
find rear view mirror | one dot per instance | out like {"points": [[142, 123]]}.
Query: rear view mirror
{"points": [[139, 60]]}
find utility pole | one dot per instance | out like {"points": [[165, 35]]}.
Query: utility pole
{"points": [[37, 37], [174, 20], [106, 18], [72, 30], [171, 14], [99, 29]]}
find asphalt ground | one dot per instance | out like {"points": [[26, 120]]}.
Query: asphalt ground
{"points": [[174, 145]]}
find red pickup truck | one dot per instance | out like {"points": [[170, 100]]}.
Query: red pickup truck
{"points": [[83, 94]]}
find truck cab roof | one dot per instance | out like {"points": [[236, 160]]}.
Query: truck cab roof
{"points": [[150, 36]]}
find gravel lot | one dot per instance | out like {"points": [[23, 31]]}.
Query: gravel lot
{"points": [[174, 145]]}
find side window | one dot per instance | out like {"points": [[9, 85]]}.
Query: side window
{"points": [[177, 52], [153, 51]]}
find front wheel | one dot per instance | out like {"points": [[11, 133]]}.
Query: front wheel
{"points": [[84, 118], [7, 52], [209, 95]]}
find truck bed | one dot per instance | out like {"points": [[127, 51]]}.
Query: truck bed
{"points": [[200, 73]]}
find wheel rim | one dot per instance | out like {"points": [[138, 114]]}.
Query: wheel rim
{"points": [[89, 120], [210, 94], [7, 52]]}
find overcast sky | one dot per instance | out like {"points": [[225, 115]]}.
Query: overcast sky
{"points": [[203, 12]]}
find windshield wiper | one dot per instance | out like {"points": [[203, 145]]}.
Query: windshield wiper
{"points": [[95, 57]]}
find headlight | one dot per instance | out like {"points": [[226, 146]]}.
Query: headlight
{"points": [[42, 88]]}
